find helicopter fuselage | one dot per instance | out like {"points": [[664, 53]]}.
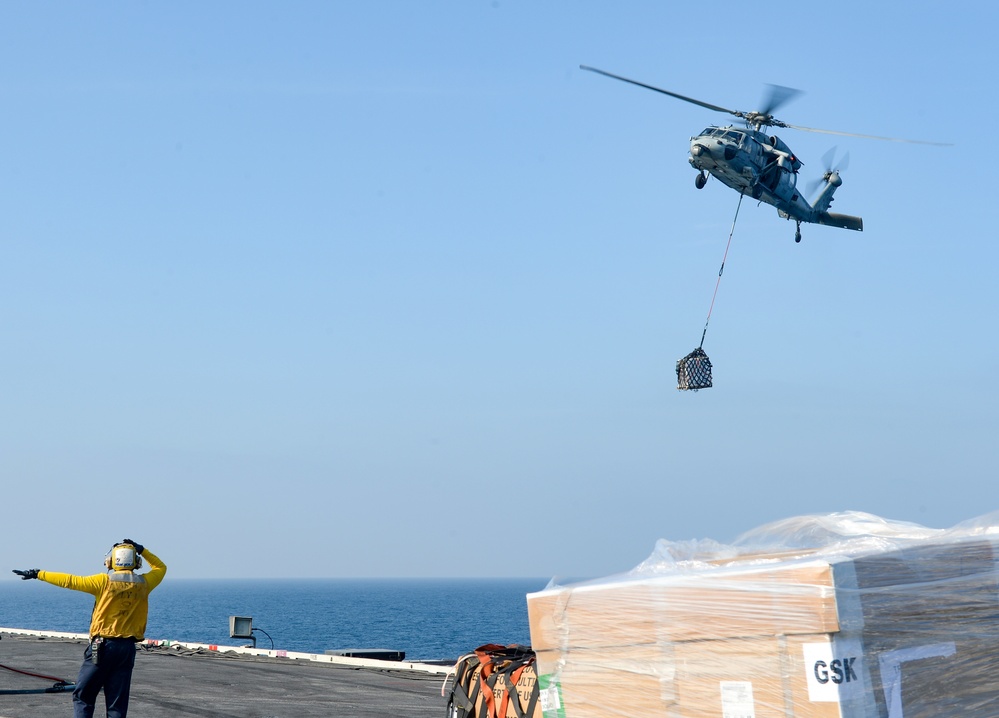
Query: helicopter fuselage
{"points": [[764, 167]]}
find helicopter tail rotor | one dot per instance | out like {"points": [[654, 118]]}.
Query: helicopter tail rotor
{"points": [[832, 170], [830, 182], [828, 161]]}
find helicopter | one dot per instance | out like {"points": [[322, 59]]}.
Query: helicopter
{"points": [[761, 165]]}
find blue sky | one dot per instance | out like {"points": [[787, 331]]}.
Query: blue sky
{"points": [[395, 289]]}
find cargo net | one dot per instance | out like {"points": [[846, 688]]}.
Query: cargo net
{"points": [[693, 372]]}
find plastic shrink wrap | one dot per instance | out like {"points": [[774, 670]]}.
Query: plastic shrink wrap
{"points": [[835, 616]]}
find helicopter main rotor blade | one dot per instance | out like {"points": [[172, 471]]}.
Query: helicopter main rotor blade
{"points": [[869, 137], [707, 105], [778, 97]]}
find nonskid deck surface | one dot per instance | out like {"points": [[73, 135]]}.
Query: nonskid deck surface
{"points": [[172, 681]]}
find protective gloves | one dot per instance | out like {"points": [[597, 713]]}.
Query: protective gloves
{"points": [[139, 548], [30, 573]]}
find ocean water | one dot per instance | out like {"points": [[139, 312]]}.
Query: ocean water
{"points": [[429, 619]]}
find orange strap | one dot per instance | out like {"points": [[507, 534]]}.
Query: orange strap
{"points": [[489, 668]]}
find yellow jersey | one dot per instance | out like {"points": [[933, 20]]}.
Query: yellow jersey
{"points": [[121, 604]]}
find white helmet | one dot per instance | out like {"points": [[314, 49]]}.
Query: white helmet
{"points": [[123, 557]]}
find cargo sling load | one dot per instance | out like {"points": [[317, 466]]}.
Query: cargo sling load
{"points": [[836, 616], [693, 372]]}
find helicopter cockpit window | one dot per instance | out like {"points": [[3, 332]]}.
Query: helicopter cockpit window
{"points": [[709, 131], [734, 136]]}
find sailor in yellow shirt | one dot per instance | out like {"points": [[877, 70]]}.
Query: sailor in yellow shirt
{"points": [[117, 623]]}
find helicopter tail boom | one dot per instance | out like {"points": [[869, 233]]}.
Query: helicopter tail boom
{"points": [[843, 221]]}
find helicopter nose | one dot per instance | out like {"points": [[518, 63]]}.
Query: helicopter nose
{"points": [[698, 150]]}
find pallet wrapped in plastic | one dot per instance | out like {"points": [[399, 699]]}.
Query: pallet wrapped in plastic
{"points": [[835, 616]]}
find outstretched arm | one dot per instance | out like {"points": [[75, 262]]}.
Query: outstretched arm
{"points": [[87, 584]]}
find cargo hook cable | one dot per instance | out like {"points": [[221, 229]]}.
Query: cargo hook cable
{"points": [[721, 270]]}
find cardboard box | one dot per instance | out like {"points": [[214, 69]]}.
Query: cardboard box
{"points": [[909, 632], [587, 683]]}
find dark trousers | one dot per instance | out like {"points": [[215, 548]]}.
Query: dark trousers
{"points": [[113, 674]]}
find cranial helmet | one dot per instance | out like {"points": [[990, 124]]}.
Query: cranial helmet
{"points": [[123, 557]]}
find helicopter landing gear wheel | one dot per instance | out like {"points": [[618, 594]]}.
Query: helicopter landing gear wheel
{"points": [[700, 180], [797, 233]]}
